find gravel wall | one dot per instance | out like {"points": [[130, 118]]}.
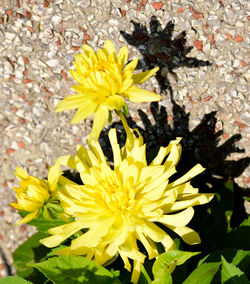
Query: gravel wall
{"points": [[201, 48]]}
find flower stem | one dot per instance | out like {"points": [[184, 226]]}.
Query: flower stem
{"points": [[125, 125]]}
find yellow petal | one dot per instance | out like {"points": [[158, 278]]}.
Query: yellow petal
{"points": [[97, 150], [158, 177], [122, 56], [136, 271], [88, 179], [153, 231], [126, 84], [86, 108], [93, 236], [88, 50], [77, 76], [179, 219], [61, 233], [17, 206], [130, 248], [138, 95], [131, 66], [109, 48], [160, 156], [191, 200], [64, 181], [67, 160], [115, 147], [100, 119], [70, 102], [149, 245], [174, 156], [114, 102], [188, 235], [156, 191], [184, 188], [127, 264], [190, 174], [140, 78], [21, 173], [29, 217], [150, 172], [101, 55], [53, 176], [52, 241]]}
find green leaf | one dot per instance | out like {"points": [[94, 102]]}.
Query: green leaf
{"points": [[245, 223], [231, 274], [110, 118], [74, 270], [247, 198], [176, 257], [125, 110], [42, 224], [229, 185], [13, 280], [162, 275], [203, 274], [29, 252], [144, 277], [240, 258], [162, 263]]}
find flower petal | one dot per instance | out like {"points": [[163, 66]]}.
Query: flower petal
{"points": [[70, 102], [68, 161], [115, 147], [188, 235], [122, 56], [61, 233], [86, 108], [21, 173], [179, 219], [138, 95], [100, 119], [190, 174], [109, 49], [29, 217], [114, 102], [140, 78], [53, 176], [92, 237], [191, 200], [131, 66]]}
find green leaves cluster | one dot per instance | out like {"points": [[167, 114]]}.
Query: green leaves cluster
{"points": [[228, 262], [228, 266]]}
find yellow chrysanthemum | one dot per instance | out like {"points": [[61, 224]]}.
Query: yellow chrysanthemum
{"points": [[121, 205], [33, 192], [104, 79]]}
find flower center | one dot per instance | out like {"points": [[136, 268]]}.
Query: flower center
{"points": [[115, 196]]}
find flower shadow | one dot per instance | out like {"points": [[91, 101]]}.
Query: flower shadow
{"points": [[159, 49]]}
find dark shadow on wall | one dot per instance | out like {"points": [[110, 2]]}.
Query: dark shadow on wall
{"points": [[159, 49]]}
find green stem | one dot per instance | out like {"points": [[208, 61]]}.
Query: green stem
{"points": [[145, 273], [125, 125]]}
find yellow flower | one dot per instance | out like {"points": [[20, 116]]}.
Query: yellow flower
{"points": [[104, 79], [121, 205], [33, 192]]}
